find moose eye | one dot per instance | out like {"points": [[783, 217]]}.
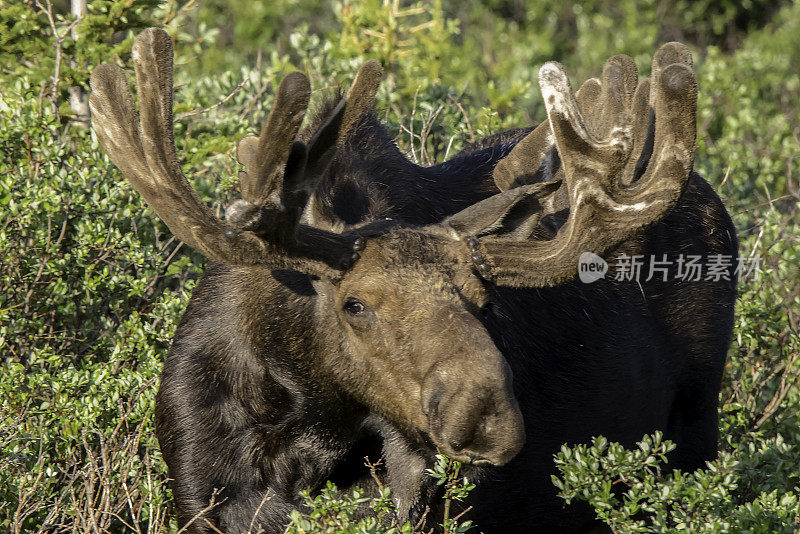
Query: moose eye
{"points": [[354, 307]]}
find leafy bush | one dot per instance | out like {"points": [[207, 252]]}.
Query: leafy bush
{"points": [[93, 284], [629, 492], [333, 511]]}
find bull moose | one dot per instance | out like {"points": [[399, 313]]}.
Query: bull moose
{"points": [[359, 305]]}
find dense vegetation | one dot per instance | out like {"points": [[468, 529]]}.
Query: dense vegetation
{"points": [[93, 284]]}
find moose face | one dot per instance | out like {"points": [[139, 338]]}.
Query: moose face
{"points": [[416, 352]]}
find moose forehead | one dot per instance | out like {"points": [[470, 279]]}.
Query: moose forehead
{"points": [[415, 261], [410, 247]]}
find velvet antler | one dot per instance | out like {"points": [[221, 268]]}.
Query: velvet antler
{"points": [[615, 187], [261, 229]]}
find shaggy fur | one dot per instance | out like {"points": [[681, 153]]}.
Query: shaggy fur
{"points": [[264, 392]]}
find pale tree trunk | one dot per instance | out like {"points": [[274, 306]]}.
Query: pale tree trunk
{"points": [[78, 101]]}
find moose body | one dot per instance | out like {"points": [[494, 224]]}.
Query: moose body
{"points": [[243, 407], [282, 375]]}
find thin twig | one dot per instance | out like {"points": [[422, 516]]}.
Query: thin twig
{"points": [[163, 270], [467, 509], [427, 125], [466, 119], [19, 516], [212, 527], [180, 116], [411, 126], [171, 16], [422, 520], [267, 497], [727, 175], [59, 40], [449, 145], [784, 387], [373, 471], [211, 505], [770, 202]]}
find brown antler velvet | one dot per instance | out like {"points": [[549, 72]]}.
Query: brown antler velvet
{"points": [[265, 157], [260, 229], [605, 136], [280, 173], [599, 152]]}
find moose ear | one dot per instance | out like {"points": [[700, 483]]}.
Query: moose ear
{"points": [[514, 211]]}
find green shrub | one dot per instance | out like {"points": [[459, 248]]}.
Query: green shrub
{"points": [[753, 489], [334, 511], [93, 284]]}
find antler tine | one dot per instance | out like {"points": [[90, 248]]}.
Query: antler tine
{"points": [[668, 54], [520, 166], [643, 109], [580, 150], [116, 124], [281, 171], [675, 112], [343, 119], [287, 171], [619, 101], [264, 157], [673, 95], [588, 96], [524, 159], [603, 104], [620, 79], [328, 138], [642, 133], [602, 212]]}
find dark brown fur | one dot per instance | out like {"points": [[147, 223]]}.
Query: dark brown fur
{"points": [[267, 389]]}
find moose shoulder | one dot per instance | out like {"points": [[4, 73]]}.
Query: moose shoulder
{"points": [[360, 305]]}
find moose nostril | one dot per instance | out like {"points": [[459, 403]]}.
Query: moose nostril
{"points": [[458, 445], [433, 404]]}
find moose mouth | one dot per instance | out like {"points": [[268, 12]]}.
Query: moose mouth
{"points": [[483, 430], [470, 458], [483, 451]]}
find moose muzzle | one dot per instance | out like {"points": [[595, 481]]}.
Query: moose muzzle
{"points": [[468, 399]]}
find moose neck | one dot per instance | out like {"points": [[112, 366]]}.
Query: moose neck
{"points": [[358, 189]]}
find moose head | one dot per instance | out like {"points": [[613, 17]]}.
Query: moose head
{"points": [[401, 306]]}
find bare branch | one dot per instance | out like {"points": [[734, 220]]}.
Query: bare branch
{"points": [[211, 505], [47, 10], [267, 496], [192, 113]]}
